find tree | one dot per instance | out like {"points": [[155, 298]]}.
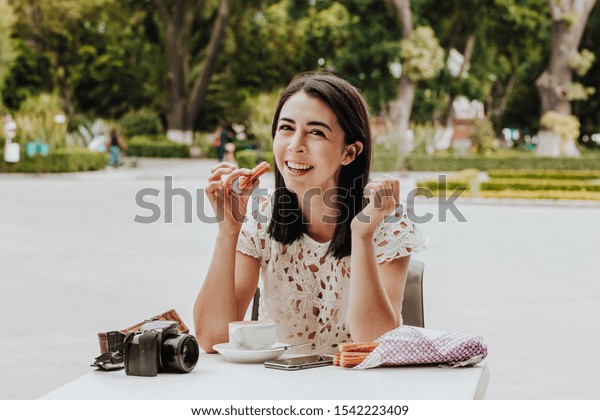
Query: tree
{"points": [[555, 84], [459, 28], [100, 56], [188, 78], [589, 111], [366, 63], [495, 41], [268, 43], [119, 66], [6, 51], [422, 58], [53, 30], [30, 74], [517, 31]]}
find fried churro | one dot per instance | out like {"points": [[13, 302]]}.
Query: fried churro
{"points": [[351, 359], [364, 347], [245, 182], [352, 354], [336, 359]]}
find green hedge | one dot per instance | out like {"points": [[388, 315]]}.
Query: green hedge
{"points": [[156, 146], [246, 158], [544, 174], [384, 162], [543, 195], [60, 160], [465, 180], [485, 163], [537, 185], [143, 121], [522, 184], [450, 185]]}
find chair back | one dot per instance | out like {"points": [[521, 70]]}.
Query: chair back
{"points": [[412, 305]]}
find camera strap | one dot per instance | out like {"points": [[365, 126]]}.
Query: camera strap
{"points": [[148, 361], [113, 360]]}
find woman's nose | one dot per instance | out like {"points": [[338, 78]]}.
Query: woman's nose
{"points": [[297, 143]]}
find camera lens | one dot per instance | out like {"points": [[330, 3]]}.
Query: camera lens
{"points": [[180, 353]]}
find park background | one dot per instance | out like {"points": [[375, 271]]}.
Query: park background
{"points": [[503, 96]]}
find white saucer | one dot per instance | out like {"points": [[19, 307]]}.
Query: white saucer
{"points": [[249, 356]]}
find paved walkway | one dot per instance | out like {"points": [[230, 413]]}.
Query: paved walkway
{"points": [[73, 262]]}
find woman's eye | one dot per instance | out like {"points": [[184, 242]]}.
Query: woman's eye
{"points": [[285, 127], [317, 133]]}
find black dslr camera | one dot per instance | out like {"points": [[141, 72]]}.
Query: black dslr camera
{"points": [[157, 347]]}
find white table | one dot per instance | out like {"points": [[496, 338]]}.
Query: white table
{"points": [[216, 379]]}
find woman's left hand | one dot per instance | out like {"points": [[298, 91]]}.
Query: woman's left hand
{"points": [[384, 196]]}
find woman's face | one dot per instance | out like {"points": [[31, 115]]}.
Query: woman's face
{"points": [[309, 144]]}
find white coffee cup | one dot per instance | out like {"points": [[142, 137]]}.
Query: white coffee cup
{"points": [[252, 335]]}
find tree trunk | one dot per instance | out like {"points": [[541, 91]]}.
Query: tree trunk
{"points": [[554, 83], [185, 96], [175, 80], [176, 103], [208, 66], [401, 107], [400, 110], [403, 15]]}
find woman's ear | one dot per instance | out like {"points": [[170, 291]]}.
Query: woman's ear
{"points": [[359, 147], [352, 151]]}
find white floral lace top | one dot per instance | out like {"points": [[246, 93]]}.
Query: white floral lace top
{"points": [[305, 291]]}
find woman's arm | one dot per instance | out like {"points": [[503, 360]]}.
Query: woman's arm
{"points": [[228, 288], [232, 276], [376, 291]]}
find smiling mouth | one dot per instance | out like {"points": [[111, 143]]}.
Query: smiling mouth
{"points": [[298, 168]]}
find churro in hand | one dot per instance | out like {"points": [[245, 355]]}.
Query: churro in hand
{"points": [[245, 182]]}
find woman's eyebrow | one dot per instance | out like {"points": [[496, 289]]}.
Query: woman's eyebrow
{"points": [[287, 119], [319, 123]]}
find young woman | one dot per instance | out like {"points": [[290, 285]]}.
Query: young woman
{"points": [[330, 268], [114, 145]]}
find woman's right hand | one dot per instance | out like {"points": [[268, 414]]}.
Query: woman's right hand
{"points": [[229, 207]]}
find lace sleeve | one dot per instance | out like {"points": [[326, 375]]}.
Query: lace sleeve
{"points": [[398, 237], [251, 240], [248, 240]]}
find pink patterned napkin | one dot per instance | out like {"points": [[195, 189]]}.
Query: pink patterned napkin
{"points": [[408, 345]]}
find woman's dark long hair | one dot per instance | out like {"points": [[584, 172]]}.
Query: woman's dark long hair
{"points": [[349, 105]]}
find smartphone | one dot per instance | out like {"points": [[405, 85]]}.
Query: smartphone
{"points": [[301, 362]]}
